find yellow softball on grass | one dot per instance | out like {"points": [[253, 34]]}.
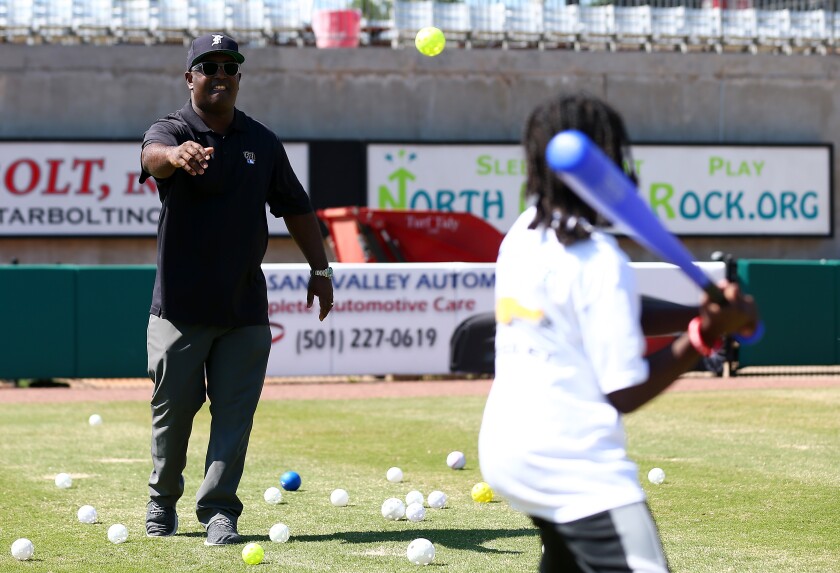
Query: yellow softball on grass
{"points": [[430, 41], [482, 493], [253, 554]]}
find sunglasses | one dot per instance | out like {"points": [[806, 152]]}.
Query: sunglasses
{"points": [[210, 68]]}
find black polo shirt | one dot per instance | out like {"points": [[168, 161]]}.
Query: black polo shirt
{"points": [[212, 230]]}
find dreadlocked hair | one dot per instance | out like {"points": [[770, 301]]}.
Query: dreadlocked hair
{"points": [[558, 207]]}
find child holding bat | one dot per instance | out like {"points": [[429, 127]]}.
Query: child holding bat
{"points": [[569, 363]]}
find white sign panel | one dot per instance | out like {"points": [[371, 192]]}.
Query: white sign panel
{"points": [[694, 190], [387, 318], [400, 318], [89, 189], [667, 282]]}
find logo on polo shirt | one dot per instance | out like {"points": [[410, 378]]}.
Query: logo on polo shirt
{"points": [[250, 157]]}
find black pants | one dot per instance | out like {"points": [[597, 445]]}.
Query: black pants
{"points": [[622, 540]]}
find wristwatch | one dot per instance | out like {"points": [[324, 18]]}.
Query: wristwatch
{"points": [[326, 273]]}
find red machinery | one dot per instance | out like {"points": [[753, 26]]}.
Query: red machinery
{"points": [[362, 235]]}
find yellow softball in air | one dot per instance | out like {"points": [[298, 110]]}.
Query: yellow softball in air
{"points": [[430, 41]]}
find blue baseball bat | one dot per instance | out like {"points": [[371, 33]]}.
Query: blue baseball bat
{"points": [[597, 180]]}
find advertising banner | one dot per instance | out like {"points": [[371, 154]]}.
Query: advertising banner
{"points": [[702, 190], [89, 189], [738, 190], [387, 319], [485, 180]]}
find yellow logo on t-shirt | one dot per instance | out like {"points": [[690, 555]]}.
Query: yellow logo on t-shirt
{"points": [[508, 309]]}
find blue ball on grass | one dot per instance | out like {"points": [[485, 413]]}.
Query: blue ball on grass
{"points": [[290, 481]]}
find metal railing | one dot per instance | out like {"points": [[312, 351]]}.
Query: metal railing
{"points": [[781, 26]]}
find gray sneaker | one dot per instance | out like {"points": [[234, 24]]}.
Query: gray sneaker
{"points": [[222, 531], [160, 521]]}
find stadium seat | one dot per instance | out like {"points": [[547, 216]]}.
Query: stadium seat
{"points": [[668, 27], [173, 21], [488, 22], [134, 20], [54, 20], [773, 29], [740, 28], [285, 21], [633, 26], [409, 17], [95, 20], [809, 31], [211, 16], [19, 21], [248, 21], [561, 24], [453, 18], [598, 25], [833, 30], [523, 22], [703, 27]]}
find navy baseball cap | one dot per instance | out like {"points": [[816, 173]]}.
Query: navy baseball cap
{"points": [[211, 44]]}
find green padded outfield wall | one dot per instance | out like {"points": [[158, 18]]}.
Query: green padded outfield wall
{"points": [[111, 320], [37, 321], [69, 321], [798, 303], [66, 321]]}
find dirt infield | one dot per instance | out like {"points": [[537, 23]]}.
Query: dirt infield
{"points": [[109, 390]]}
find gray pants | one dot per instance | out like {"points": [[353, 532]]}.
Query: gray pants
{"points": [[234, 361]]}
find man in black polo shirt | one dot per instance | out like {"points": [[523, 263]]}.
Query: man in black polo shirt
{"points": [[215, 168]]}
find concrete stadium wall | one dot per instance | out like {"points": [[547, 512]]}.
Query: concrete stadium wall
{"points": [[71, 92]]}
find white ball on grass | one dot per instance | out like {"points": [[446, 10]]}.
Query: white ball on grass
{"points": [[339, 498], [393, 509], [420, 551], [414, 497], [279, 533], [23, 549], [63, 481], [86, 514], [273, 495], [656, 476], [95, 420], [456, 460], [394, 475], [117, 533], [415, 512], [436, 499]]}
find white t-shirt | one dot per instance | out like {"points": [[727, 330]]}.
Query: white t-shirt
{"points": [[567, 334]]}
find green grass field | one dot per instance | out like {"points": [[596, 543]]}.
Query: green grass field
{"points": [[752, 485]]}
